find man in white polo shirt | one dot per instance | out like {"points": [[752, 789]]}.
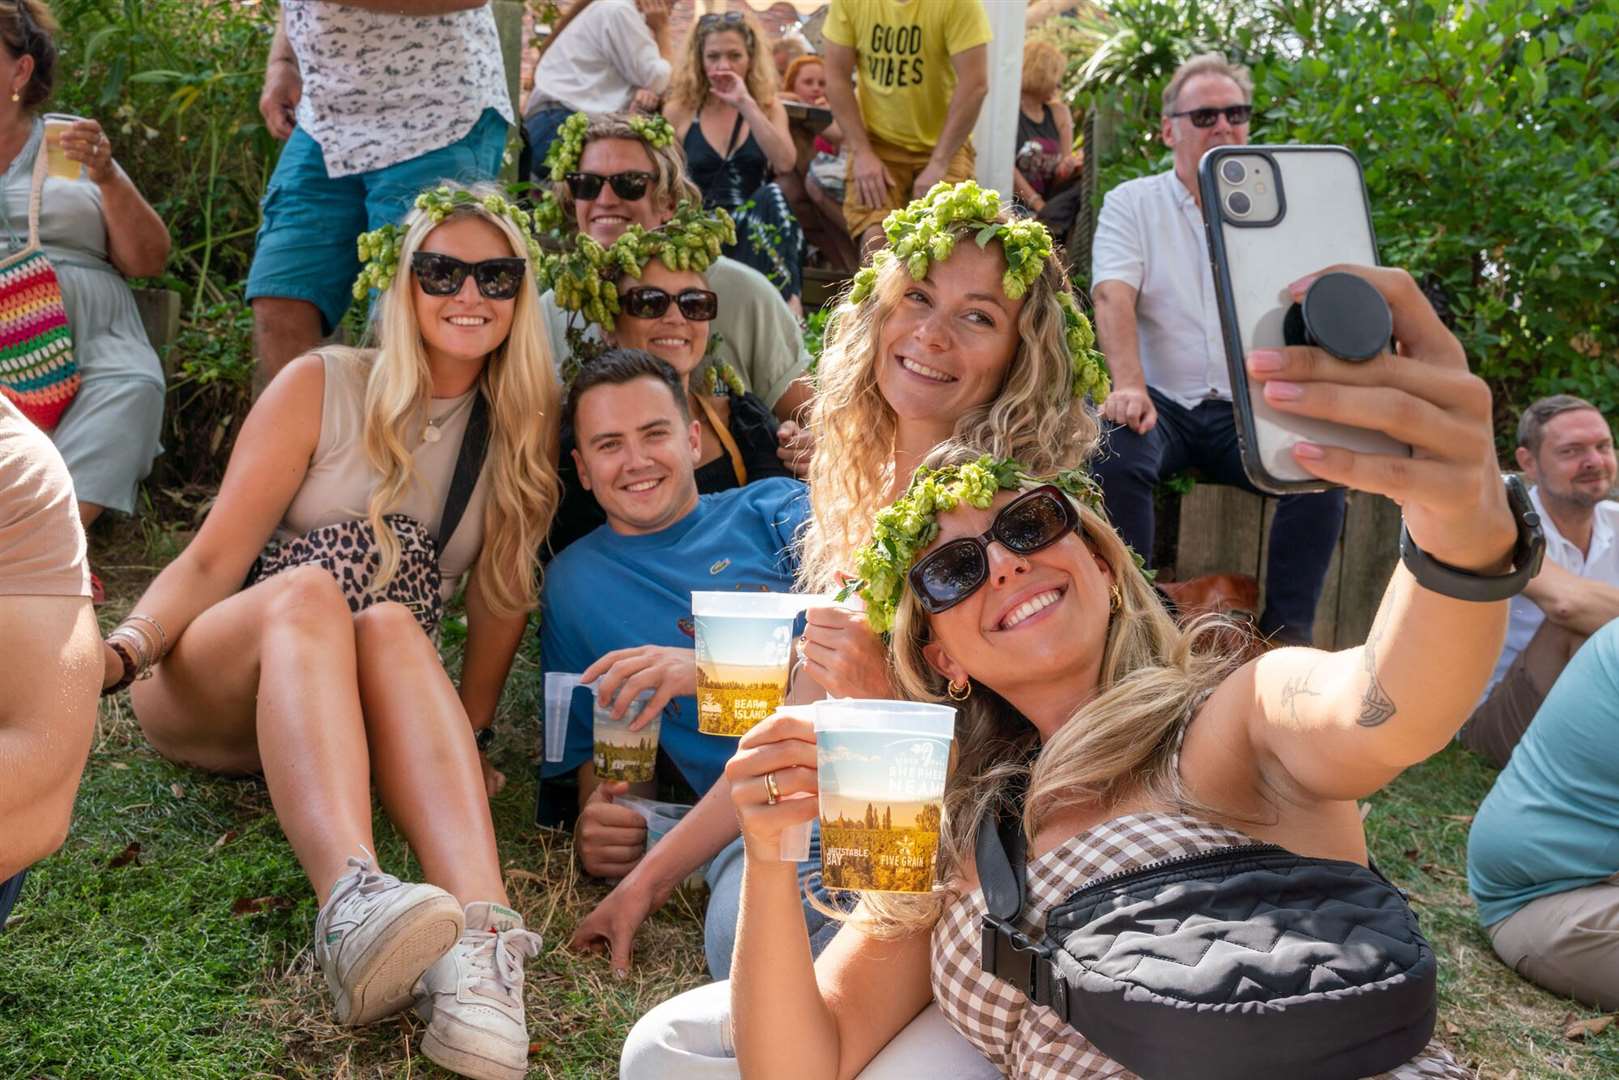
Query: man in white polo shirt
{"points": [[1565, 450], [1159, 326]]}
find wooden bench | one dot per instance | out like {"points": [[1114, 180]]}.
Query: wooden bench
{"points": [[1227, 530]]}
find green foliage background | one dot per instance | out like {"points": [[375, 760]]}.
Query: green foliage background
{"points": [[1489, 133]]}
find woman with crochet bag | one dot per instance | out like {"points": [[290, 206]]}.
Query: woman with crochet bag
{"points": [[74, 355], [295, 636]]}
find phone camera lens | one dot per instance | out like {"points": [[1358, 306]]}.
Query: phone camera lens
{"points": [[1233, 171], [1239, 204]]}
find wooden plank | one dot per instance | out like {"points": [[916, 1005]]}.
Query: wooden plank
{"points": [[160, 314], [1220, 532], [1324, 633], [1371, 547]]}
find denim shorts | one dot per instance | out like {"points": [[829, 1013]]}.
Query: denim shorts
{"points": [[10, 889], [310, 220]]}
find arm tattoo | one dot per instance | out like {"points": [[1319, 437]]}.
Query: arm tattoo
{"points": [[1295, 688], [1376, 707]]}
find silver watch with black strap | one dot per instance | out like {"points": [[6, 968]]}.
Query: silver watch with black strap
{"points": [[1527, 553]]}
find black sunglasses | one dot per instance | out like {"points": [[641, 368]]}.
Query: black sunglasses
{"points": [[1029, 523], [626, 185], [442, 275], [650, 302], [1235, 115]]}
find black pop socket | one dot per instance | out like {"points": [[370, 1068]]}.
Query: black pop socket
{"points": [[1342, 314]]}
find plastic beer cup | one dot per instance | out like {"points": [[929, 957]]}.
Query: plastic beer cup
{"points": [[744, 653], [57, 163], [622, 754]]}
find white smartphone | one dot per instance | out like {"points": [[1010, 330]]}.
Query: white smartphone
{"points": [[1275, 214]]}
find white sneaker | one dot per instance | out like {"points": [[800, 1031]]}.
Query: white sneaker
{"points": [[375, 937], [472, 999]]}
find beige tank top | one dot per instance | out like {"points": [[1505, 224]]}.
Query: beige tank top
{"points": [[340, 480]]}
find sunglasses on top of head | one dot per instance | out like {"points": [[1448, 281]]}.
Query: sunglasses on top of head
{"points": [[650, 302], [443, 275], [729, 20], [628, 186], [1029, 523], [1235, 115]]}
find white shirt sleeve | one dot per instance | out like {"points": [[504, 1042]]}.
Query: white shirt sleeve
{"points": [[633, 50], [1116, 253]]}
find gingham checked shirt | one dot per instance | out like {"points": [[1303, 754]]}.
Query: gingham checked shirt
{"points": [[1026, 1040]]}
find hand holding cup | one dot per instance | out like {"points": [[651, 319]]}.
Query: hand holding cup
{"points": [[781, 748]]}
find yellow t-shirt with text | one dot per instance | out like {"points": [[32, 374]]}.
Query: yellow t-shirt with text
{"points": [[902, 60]]}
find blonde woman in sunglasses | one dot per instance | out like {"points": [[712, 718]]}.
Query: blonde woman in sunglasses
{"points": [[295, 637]]}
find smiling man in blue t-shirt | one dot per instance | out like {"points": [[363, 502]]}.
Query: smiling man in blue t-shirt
{"points": [[617, 604]]}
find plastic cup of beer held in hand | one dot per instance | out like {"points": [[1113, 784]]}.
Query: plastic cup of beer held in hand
{"points": [[622, 754], [57, 163], [881, 772], [744, 653]]}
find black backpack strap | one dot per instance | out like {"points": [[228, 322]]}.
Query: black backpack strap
{"points": [[1006, 952], [468, 464]]}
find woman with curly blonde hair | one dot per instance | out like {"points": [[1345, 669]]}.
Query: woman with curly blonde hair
{"points": [[915, 361], [1100, 743], [723, 106], [295, 636]]}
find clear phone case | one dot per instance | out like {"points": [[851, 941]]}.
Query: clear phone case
{"points": [[1275, 214]]}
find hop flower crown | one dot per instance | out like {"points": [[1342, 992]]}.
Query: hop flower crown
{"points": [[926, 231], [903, 530], [585, 278], [569, 145], [379, 248]]}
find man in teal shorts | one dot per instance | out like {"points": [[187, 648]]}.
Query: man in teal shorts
{"points": [[377, 99]]}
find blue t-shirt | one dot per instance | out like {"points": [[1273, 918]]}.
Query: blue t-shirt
{"points": [[608, 591], [1551, 823]]}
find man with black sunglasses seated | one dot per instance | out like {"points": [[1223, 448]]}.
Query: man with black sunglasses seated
{"points": [[1158, 324], [617, 605], [630, 174]]}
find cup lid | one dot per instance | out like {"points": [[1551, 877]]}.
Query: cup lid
{"points": [[752, 604]]}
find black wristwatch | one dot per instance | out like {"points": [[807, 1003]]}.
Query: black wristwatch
{"points": [[485, 738], [1445, 580]]}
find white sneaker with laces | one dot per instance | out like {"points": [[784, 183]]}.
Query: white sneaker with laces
{"points": [[376, 935], [472, 999]]}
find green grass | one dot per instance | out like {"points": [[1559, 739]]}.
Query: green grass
{"points": [[145, 970]]}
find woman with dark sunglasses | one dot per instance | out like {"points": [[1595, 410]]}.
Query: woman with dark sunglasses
{"points": [[259, 649], [723, 105], [668, 313], [1131, 740]]}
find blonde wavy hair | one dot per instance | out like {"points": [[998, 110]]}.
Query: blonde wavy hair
{"points": [[689, 88], [1034, 417], [1124, 740], [670, 185], [518, 381]]}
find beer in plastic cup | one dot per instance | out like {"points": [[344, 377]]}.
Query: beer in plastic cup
{"points": [[744, 653], [57, 163], [622, 754], [881, 768]]}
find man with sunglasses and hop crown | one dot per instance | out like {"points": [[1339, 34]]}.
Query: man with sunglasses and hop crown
{"points": [[1158, 324]]}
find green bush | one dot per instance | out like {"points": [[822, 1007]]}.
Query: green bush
{"points": [[1489, 133]]}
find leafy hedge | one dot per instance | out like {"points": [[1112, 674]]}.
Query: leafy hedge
{"points": [[1489, 133]]}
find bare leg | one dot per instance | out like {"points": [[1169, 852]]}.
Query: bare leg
{"points": [[88, 512], [283, 330], [265, 680], [422, 755]]}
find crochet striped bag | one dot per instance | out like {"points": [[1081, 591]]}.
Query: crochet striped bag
{"points": [[38, 373]]}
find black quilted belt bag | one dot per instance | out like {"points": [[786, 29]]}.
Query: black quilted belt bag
{"points": [[1232, 964], [348, 549]]}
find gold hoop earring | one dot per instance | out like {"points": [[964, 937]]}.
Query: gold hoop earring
{"points": [[1115, 597], [961, 693]]}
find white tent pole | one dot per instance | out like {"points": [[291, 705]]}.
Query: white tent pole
{"points": [[995, 137]]}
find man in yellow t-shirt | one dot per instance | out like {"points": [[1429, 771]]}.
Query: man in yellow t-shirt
{"points": [[921, 67]]}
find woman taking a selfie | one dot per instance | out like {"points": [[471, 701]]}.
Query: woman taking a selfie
{"points": [[968, 351], [295, 636], [1105, 740]]}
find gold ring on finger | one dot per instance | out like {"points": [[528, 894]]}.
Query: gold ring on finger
{"points": [[772, 793]]}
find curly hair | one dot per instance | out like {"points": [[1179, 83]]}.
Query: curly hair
{"points": [[670, 185], [520, 384], [1034, 416], [689, 87], [29, 29]]}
